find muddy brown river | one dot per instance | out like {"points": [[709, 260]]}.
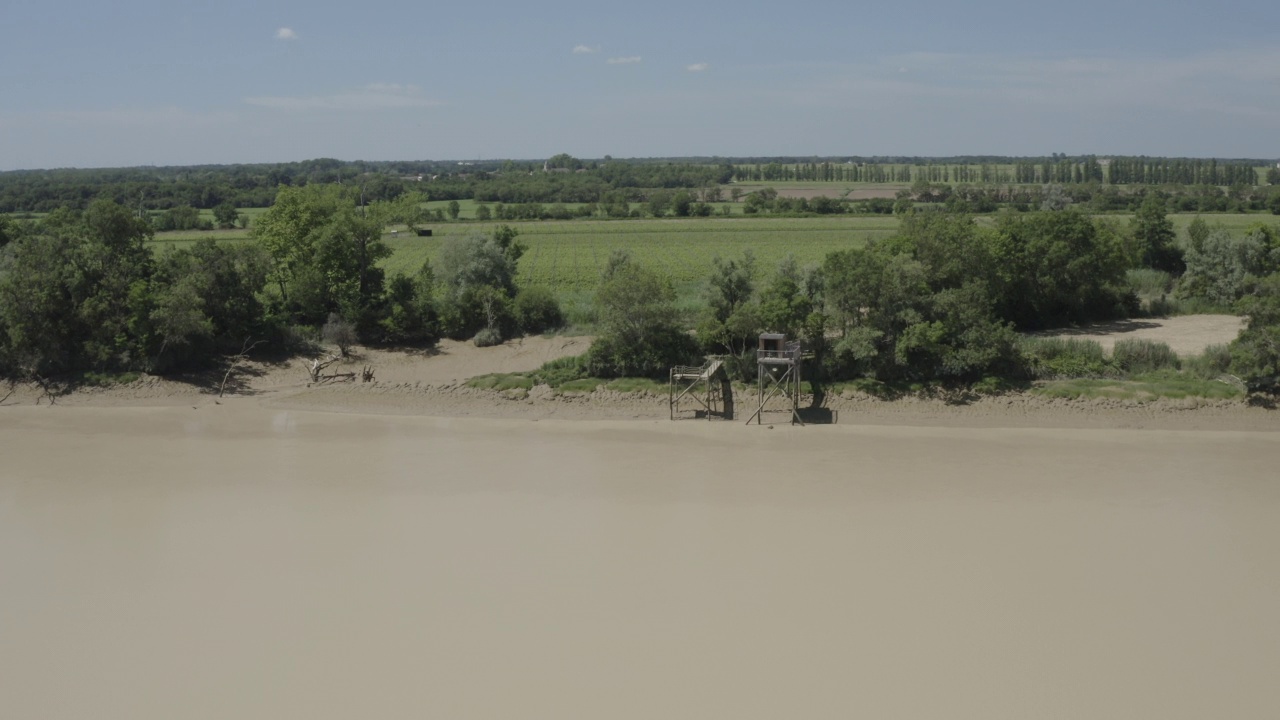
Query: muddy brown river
{"points": [[242, 562]]}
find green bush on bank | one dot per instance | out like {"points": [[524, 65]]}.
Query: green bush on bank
{"points": [[1049, 358], [1134, 356]]}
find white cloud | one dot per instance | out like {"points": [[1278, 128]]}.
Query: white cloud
{"points": [[285, 33], [624, 60], [375, 96], [585, 50], [697, 67]]}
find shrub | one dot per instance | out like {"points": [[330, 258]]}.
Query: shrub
{"points": [[649, 356], [1140, 356], [478, 307], [1147, 282], [536, 310], [488, 337], [562, 370], [1222, 268], [640, 335], [1162, 307], [501, 381], [1255, 355], [1050, 357], [339, 332], [1213, 362]]}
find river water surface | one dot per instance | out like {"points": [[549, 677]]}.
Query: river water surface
{"points": [[241, 562]]}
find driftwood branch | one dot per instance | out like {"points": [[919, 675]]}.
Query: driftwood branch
{"points": [[48, 392], [12, 387], [236, 359], [316, 371], [318, 366]]}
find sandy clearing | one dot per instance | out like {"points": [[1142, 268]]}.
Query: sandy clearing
{"points": [[1186, 335], [452, 361]]}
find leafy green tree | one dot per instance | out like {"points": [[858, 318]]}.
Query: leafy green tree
{"points": [[638, 322], [226, 215], [789, 301], [1255, 355], [325, 253], [178, 317], [952, 248], [483, 213], [75, 293], [206, 301], [37, 309], [1197, 232], [659, 202], [1058, 267], [732, 320], [454, 209], [682, 203], [957, 336], [536, 310], [183, 217], [477, 276], [1154, 238], [347, 254], [1221, 268], [290, 229], [564, 161], [410, 308]]}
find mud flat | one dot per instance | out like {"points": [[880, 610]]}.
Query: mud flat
{"points": [[241, 560]]}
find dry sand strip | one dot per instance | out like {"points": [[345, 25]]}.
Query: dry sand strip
{"points": [[1185, 335]]}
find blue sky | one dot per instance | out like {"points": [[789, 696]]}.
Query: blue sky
{"points": [[142, 82]]}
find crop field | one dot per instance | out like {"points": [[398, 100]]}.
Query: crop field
{"points": [[569, 256], [467, 208]]}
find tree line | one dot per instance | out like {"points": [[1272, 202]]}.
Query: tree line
{"points": [[566, 179], [944, 299], [1024, 171], [81, 292], [947, 300]]}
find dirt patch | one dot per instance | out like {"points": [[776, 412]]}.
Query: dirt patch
{"points": [[1185, 335], [447, 364]]}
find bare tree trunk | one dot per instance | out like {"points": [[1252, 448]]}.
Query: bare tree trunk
{"points": [[48, 392], [245, 349]]}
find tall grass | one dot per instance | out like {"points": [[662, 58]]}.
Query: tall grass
{"points": [[1149, 283], [1214, 362], [1134, 356], [1053, 357]]}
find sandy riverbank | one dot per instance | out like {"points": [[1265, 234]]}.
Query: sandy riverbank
{"points": [[432, 383]]}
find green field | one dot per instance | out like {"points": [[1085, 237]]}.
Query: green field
{"points": [[568, 256]]}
